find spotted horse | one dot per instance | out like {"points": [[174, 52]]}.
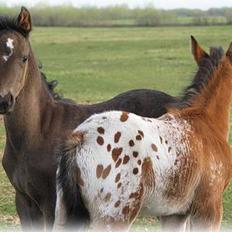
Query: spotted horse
{"points": [[175, 167]]}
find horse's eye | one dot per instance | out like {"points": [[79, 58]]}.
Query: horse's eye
{"points": [[25, 58]]}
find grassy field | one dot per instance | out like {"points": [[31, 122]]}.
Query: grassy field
{"points": [[93, 65]]}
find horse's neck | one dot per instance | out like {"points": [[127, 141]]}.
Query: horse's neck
{"points": [[23, 125], [219, 110], [216, 100]]}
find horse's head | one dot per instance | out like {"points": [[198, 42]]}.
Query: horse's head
{"points": [[14, 55], [200, 55], [207, 64]]}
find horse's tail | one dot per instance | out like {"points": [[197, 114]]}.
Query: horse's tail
{"points": [[76, 212]]}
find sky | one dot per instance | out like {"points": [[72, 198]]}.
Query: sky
{"points": [[164, 4]]}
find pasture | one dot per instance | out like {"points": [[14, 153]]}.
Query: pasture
{"points": [[95, 64]]}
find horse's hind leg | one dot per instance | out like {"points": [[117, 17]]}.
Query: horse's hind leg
{"points": [[121, 222], [60, 213], [206, 216], [30, 215], [174, 223]]}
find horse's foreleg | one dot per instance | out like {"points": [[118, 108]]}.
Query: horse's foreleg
{"points": [[60, 213], [174, 223], [30, 215], [48, 214]]}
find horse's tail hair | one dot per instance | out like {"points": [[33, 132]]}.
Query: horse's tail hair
{"points": [[74, 140], [77, 213]]}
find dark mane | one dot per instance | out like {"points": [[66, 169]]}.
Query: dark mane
{"points": [[9, 23], [206, 68], [51, 85]]}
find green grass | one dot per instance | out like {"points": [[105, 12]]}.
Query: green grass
{"points": [[93, 65]]}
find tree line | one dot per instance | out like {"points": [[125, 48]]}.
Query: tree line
{"points": [[117, 16]]}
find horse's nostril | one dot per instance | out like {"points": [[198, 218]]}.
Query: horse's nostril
{"points": [[11, 100]]}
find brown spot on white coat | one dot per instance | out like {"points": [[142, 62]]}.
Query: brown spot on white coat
{"points": [[99, 170], [126, 159], [106, 171], [131, 143], [154, 147], [116, 153], [100, 130], [117, 178], [135, 171], [135, 154], [108, 147], [141, 133], [100, 140], [117, 204], [124, 116], [107, 197], [117, 137], [138, 137], [118, 163]]}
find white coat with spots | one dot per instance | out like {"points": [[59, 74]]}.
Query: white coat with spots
{"points": [[126, 162]]}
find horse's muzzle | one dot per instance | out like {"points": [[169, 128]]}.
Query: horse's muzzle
{"points": [[6, 103]]}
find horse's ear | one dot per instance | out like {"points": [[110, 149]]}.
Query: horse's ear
{"points": [[197, 51], [229, 52], [24, 20]]}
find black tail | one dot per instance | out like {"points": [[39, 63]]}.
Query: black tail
{"points": [[77, 213]]}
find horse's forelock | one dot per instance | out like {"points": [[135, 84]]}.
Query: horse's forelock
{"points": [[216, 54], [11, 24]]}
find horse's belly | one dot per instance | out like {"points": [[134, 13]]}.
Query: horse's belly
{"points": [[158, 206], [175, 182], [167, 199]]}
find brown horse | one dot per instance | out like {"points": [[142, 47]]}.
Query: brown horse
{"points": [[35, 122], [174, 167]]}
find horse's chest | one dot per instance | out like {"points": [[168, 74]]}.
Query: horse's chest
{"points": [[28, 171], [20, 178], [16, 170]]}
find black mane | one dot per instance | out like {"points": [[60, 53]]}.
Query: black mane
{"points": [[207, 66], [51, 85], [9, 23]]}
